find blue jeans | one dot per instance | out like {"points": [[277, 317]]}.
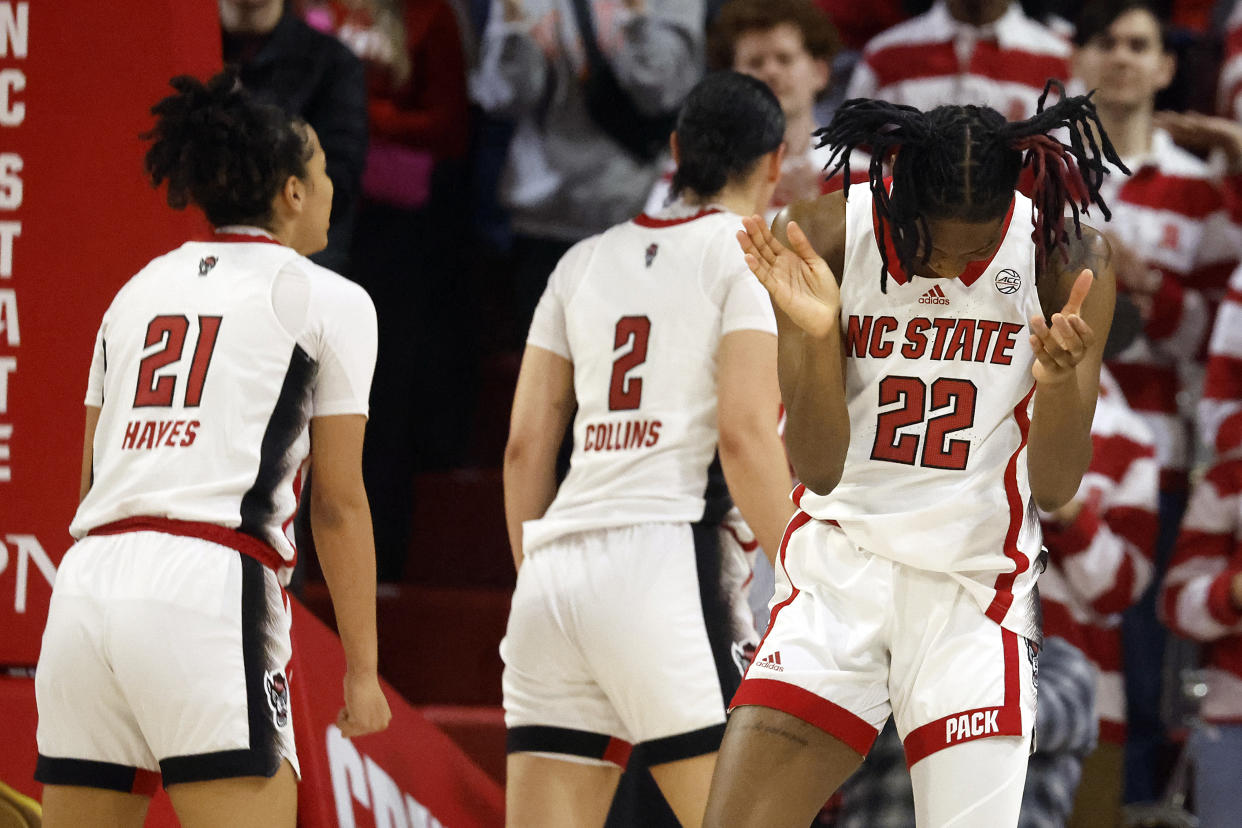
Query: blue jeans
{"points": [[1217, 752]]}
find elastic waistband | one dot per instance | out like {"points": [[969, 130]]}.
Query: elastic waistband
{"points": [[247, 545]]}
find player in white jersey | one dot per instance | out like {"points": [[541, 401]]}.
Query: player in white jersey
{"points": [[930, 407], [621, 635], [218, 368]]}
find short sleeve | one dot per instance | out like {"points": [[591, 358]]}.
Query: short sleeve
{"points": [[747, 307], [343, 332], [99, 362], [548, 329]]}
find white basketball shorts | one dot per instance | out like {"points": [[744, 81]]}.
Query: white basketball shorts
{"points": [[854, 637], [624, 639], [162, 655]]}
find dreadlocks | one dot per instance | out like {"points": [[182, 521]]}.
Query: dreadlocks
{"points": [[963, 162]]}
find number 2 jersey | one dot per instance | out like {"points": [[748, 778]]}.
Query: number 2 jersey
{"points": [[940, 392], [640, 311], [208, 366]]}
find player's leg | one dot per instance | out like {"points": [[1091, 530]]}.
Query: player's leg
{"points": [[775, 769], [685, 785], [972, 785], [239, 802], [73, 806], [554, 792]]}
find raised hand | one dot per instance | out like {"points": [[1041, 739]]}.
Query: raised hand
{"points": [[1059, 347], [800, 282]]}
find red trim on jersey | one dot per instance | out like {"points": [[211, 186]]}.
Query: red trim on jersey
{"points": [[968, 276], [212, 532], [644, 220], [232, 238], [831, 718], [1017, 514], [747, 546], [933, 736], [618, 752]]}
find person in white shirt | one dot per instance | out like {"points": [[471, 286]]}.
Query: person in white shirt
{"points": [[220, 369], [658, 344]]}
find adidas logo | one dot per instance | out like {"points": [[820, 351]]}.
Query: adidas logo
{"points": [[935, 296], [772, 662]]}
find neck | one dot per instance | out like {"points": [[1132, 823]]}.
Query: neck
{"points": [[249, 20], [1129, 129], [798, 134], [977, 12], [738, 198]]}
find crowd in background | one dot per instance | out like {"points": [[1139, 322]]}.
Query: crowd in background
{"points": [[472, 142]]}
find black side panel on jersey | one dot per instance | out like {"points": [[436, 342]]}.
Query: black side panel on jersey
{"points": [[288, 421], [263, 757], [717, 497]]}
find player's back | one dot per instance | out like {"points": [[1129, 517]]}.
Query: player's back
{"points": [[640, 311], [205, 367]]}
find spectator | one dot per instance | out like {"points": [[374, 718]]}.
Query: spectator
{"points": [[985, 52], [568, 177], [1202, 599], [1222, 385], [789, 45], [315, 77], [859, 22], [407, 250], [1100, 561], [1174, 244]]}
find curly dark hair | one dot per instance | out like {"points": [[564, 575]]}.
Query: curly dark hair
{"points": [[963, 162], [223, 150], [740, 16]]}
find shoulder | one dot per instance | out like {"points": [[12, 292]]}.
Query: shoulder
{"points": [[329, 290], [1090, 251], [822, 220], [913, 32]]}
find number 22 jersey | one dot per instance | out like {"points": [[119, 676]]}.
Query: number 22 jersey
{"points": [[940, 394], [208, 366]]}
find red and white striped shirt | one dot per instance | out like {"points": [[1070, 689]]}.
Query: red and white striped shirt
{"points": [[1179, 219], [1100, 564], [1229, 89], [1222, 384], [935, 59], [1195, 600]]}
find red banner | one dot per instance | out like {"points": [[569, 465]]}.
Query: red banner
{"points": [[77, 219], [409, 776]]}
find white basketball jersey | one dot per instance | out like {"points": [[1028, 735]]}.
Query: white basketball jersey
{"points": [[940, 390], [208, 366], [640, 311]]}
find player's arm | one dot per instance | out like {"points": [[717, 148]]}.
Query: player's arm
{"points": [[88, 451], [751, 453], [810, 355], [1069, 349], [542, 407], [341, 523]]}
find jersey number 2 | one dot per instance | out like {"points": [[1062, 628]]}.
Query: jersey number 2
{"points": [[171, 331], [911, 392], [626, 394]]}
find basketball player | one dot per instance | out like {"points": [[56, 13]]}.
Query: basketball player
{"points": [[218, 368], [621, 634], [930, 408]]}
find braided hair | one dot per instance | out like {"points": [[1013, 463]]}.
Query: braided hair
{"points": [[220, 148], [963, 163]]}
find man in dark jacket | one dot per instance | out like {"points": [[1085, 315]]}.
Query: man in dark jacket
{"points": [[312, 75]]}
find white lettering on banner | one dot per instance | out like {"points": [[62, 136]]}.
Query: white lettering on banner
{"points": [[7, 366], [28, 549], [8, 317], [356, 777], [12, 113], [10, 181], [9, 230], [6, 434], [14, 28]]}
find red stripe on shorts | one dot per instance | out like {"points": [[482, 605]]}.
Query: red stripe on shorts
{"points": [[799, 520], [831, 718], [969, 725], [618, 752], [146, 782], [213, 532]]}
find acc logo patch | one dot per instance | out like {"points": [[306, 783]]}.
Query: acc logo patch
{"points": [[1008, 281], [652, 250], [277, 692], [205, 264]]}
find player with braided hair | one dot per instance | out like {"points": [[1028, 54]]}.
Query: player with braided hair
{"points": [[929, 411]]}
